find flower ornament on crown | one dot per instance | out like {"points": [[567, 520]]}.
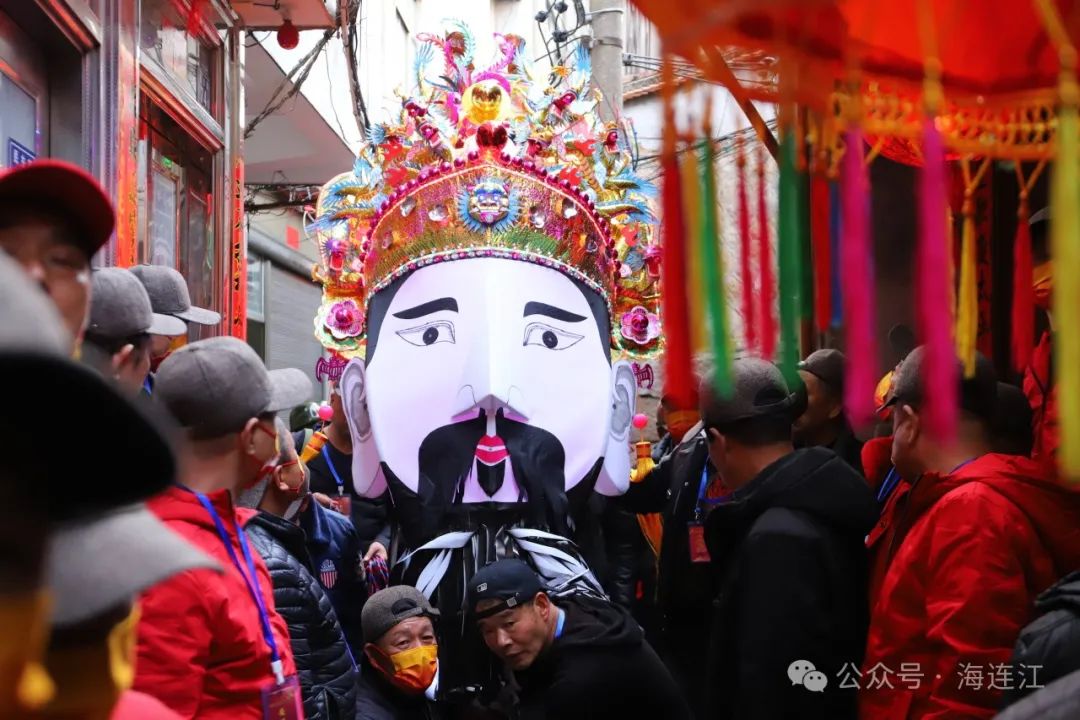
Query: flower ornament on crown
{"points": [[491, 163]]}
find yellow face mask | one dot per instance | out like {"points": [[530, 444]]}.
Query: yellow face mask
{"points": [[24, 632], [90, 678], [413, 670]]}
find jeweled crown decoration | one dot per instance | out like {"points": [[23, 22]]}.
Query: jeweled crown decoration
{"points": [[491, 163]]}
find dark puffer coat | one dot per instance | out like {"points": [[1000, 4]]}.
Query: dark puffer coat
{"points": [[327, 672], [1050, 644]]}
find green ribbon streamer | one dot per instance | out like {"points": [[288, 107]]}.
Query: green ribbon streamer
{"points": [[790, 253], [806, 280], [711, 266]]}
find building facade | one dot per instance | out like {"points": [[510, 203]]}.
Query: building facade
{"points": [[147, 96]]}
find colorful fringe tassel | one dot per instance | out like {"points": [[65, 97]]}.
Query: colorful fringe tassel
{"points": [[711, 262], [695, 289], [678, 374], [745, 256], [967, 307], [790, 256], [1065, 230], [1023, 303], [767, 287], [857, 278], [932, 301], [822, 251]]}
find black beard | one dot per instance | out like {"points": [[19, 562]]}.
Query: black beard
{"points": [[448, 454]]}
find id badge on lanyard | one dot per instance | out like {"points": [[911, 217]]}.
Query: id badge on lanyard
{"points": [[343, 500], [699, 551], [281, 700]]}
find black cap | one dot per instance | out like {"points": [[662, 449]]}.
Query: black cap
{"points": [[978, 394], [828, 366], [511, 581]]}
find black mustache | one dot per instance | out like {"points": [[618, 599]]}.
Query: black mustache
{"points": [[448, 454]]}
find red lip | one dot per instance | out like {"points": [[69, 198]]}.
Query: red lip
{"points": [[491, 450]]}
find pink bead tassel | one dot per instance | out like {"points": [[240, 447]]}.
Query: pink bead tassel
{"points": [[857, 276], [932, 301]]}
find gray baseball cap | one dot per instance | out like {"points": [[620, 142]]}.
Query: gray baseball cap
{"points": [[390, 606], [35, 360], [169, 295], [120, 308], [759, 391], [214, 386], [96, 564]]}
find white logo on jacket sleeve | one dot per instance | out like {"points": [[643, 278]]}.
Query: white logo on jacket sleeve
{"points": [[328, 573]]}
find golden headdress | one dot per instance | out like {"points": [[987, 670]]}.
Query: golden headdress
{"points": [[491, 163]]}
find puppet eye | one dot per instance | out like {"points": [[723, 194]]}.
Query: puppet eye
{"points": [[552, 338], [440, 331]]}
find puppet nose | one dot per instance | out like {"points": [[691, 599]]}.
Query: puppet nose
{"points": [[489, 386]]}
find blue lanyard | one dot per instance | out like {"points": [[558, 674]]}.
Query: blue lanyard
{"points": [[251, 580], [701, 493], [887, 485], [893, 477], [559, 623], [333, 470]]}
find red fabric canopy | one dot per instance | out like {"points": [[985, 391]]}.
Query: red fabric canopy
{"points": [[987, 48]]}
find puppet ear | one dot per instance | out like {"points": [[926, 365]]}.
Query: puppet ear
{"points": [[615, 475], [368, 479]]}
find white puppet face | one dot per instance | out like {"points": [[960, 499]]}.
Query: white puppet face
{"points": [[489, 379]]}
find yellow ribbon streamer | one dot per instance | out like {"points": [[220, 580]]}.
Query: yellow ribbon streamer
{"points": [[967, 308], [695, 292], [1064, 234]]}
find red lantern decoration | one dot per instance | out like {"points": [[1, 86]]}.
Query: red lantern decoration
{"points": [[288, 36]]}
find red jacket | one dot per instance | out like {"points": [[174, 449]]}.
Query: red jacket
{"points": [[1041, 393], [140, 706], [969, 552], [881, 542], [200, 647]]}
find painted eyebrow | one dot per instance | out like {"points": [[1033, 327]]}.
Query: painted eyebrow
{"points": [[427, 308], [539, 308]]}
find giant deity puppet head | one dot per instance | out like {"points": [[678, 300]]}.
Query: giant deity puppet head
{"points": [[474, 264]]}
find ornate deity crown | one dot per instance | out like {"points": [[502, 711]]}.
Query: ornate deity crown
{"points": [[491, 164]]}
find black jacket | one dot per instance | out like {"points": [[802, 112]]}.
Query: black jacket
{"points": [[849, 448], [790, 555], [1052, 640], [599, 667], [684, 589], [1059, 700], [629, 559], [377, 699], [323, 662]]}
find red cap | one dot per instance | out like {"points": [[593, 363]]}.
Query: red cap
{"points": [[73, 192]]}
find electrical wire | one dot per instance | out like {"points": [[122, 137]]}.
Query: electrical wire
{"points": [[256, 41], [283, 93], [333, 105]]}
